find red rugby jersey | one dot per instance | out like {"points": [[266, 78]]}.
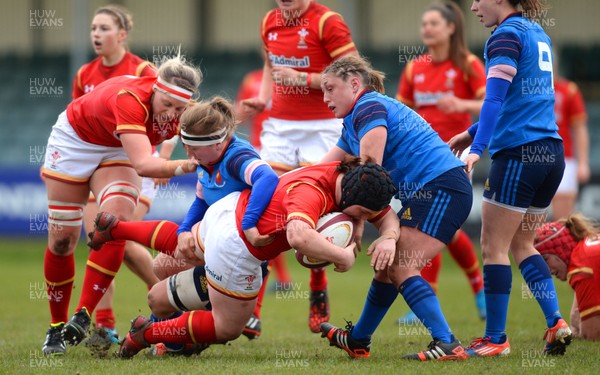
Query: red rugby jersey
{"points": [[423, 82], [250, 88], [116, 106], [568, 106], [306, 43], [584, 276], [93, 73], [305, 193]]}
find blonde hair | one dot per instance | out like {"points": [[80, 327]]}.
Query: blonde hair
{"points": [[356, 66], [181, 73], [580, 226], [121, 16], [207, 117]]}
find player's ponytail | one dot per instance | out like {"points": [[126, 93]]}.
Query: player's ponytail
{"points": [[209, 117], [531, 8], [359, 67], [580, 226]]}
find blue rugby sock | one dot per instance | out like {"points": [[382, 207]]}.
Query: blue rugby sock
{"points": [[381, 296], [497, 279], [537, 275], [422, 300]]}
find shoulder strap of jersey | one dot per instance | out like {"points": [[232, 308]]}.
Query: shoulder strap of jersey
{"points": [[263, 24], [408, 71], [78, 78], [323, 19], [140, 68]]}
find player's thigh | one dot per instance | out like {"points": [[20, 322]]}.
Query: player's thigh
{"points": [[116, 190], [147, 194], [165, 265], [230, 313]]}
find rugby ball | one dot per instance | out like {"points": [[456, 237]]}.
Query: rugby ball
{"points": [[337, 228]]}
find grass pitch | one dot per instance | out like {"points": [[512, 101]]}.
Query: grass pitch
{"points": [[286, 346]]}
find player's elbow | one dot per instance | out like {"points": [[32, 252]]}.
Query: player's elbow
{"points": [[297, 239]]}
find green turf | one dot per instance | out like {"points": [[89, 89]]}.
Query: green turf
{"points": [[286, 345]]}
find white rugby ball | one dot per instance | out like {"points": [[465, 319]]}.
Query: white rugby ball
{"points": [[337, 228]]}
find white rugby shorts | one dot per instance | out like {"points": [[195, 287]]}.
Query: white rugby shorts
{"points": [[230, 268], [71, 159], [292, 144]]}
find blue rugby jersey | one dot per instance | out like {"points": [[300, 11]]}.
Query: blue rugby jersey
{"points": [[227, 174], [414, 153], [527, 113]]}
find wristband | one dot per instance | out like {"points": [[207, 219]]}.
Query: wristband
{"points": [[308, 80], [175, 168], [303, 79]]}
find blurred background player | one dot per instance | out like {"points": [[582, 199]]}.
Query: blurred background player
{"points": [[250, 88], [111, 26], [571, 118], [103, 142], [571, 248], [301, 37], [446, 86]]}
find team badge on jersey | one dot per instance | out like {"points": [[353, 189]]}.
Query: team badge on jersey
{"points": [[303, 34], [219, 179], [450, 75]]}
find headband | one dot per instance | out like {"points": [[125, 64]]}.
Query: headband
{"points": [[203, 140], [173, 91]]}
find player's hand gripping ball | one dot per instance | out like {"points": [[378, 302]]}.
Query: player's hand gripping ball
{"points": [[337, 228]]}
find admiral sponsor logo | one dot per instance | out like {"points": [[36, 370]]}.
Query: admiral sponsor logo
{"points": [[292, 62], [429, 98], [213, 274]]}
